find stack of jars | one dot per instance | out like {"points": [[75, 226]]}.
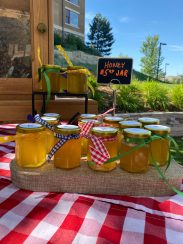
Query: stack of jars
{"points": [[127, 137]]}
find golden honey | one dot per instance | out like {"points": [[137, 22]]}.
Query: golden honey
{"points": [[50, 139], [114, 121], [58, 82], [69, 155], [148, 121], [137, 161], [159, 148], [76, 80], [127, 124], [84, 141], [30, 145], [111, 146]]}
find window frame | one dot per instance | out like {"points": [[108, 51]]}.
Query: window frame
{"points": [[68, 17], [70, 1]]}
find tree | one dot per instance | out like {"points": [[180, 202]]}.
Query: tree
{"points": [[100, 36], [149, 63]]}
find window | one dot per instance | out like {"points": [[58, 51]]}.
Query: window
{"points": [[76, 2], [71, 18]]}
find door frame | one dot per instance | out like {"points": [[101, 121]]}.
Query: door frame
{"points": [[40, 12]]}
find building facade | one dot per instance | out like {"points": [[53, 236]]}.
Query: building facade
{"points": [[69, 17]]}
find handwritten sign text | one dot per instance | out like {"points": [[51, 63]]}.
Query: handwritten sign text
{"points": [[115, 70]]}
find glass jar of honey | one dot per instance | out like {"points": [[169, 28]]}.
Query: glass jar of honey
{"points": [[113, 121], [129, 124], [148, 121], [159, 148], [108, 136], [50, 139], [30, 145], [69, 155], [84, 141], [138, 160], [54, 115], [87, 116]]}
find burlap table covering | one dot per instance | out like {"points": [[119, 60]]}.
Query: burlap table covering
{"points": [[84, 180]]}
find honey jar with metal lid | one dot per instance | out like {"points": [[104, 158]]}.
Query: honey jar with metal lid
{"points": [[148, 121], [55, 115], [88, 116], [159, 148], [84, 141], [77, 80], [30, 149], [138, 160], [50, 140], [108, 135], [114, 121], [69, 155], [129, 124]]}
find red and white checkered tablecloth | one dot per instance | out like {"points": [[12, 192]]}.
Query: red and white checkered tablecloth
{"points": [[40, 217]]}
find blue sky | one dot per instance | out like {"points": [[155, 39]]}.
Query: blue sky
{"points": [[133, 20]]}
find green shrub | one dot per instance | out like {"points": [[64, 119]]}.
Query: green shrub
{"points": [[57, 39], [92, 51], [156, 95], [129, 98], [177, 96], [72, 43]]}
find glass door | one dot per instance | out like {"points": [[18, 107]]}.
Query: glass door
{"points": [[25, 27], [15, 47]]}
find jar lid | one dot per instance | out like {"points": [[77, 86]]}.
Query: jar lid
{"points": [[130, 124], [90, 120], [55, 115], [67, 129], [53, 66], [29, 128], [104, 131], [147, 120], [87, 116], [158, 129], [113, 119], [50, 120], [136, 133]]}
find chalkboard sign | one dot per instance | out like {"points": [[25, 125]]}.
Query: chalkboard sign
{"points": [[115, 70]]}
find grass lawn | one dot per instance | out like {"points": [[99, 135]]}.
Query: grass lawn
{"points": [[178, 157]]}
